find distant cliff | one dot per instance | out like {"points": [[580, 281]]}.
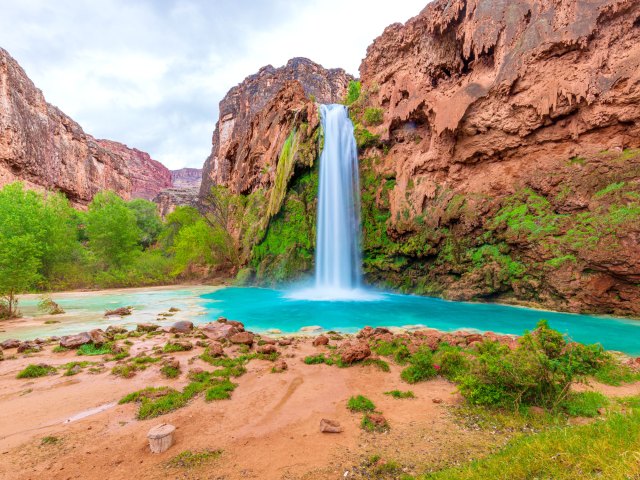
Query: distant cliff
{"points": [[47, 150], [186, 178]]}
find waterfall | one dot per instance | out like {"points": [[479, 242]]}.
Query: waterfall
{"points": [[338, 260]]}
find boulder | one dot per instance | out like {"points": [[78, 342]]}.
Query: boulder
{"points": [[266, 349], [243, 338], [267, 340], [283, 342], [31, 346], [320, 340], [366, 332], [215, 349], [10, 343], [122, 312], [378, 420], [182, 327], [113, 330], [147, 327], [238, 325], [74, 341], [218, 330], [98, 337], [330, 426], [354, 352]]}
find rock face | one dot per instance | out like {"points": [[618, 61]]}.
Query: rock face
{"points": [[256, 117], [47, 150], [505, 164], [170, 198], [186, 178]]}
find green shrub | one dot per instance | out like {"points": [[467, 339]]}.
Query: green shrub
{"points": [[353, 92], [378, 363], [400, 394], [220, 391], [171, 347], [315, 359], [35, 371], [539, 372], [360, 404], [189, 459], [373, 116], [421, 367], [59, 349], [615, 373], [453, 363]]}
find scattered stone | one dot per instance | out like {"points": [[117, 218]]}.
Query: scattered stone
{"points": [[354, 352], [182, 327], [122, 312], [436, 400], [267, 341], [320, 340], [29, 346], [74, 341], [243, 338], [40, 341], [378, 420], [113, 330], [161, 437], [238, 325], [98, 337], [215, 349], [202, 343], [283, 342], [171, 362], [330, 426], [146, 327], [75, 369], [10, 343], [219, 330], [280, 365], [183, 344], [266, 349]]}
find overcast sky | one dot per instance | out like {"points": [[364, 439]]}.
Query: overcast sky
{"points": [[150, 73]]}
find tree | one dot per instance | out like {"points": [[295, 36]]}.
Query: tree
{"points": [[147, 220], [112, 230], [23, 235]]}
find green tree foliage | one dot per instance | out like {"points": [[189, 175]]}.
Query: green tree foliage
{"points": [[147, 220], [112, 229]]}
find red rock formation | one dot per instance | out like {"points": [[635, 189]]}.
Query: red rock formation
{"points": [[148, 176], [256, 117], [481, 99], [45, 149]]}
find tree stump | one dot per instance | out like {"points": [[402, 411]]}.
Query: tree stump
{"points": [[161, 437]]}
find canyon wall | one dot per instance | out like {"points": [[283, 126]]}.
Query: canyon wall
{"points": [[47, 150], [256, 117], [186, 178], [502, 155]]}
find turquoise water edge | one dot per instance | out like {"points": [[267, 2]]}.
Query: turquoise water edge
{"points": [[262, 309]]}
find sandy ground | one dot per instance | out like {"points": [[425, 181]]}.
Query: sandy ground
{"points": [[269, 429]]}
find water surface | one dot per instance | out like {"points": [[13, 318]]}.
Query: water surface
{"points": [[263, 309]]}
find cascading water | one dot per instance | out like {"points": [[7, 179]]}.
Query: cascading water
{"points": [[338, 260]]}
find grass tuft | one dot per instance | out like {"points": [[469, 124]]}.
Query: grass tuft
{"points": [[360, 404]]}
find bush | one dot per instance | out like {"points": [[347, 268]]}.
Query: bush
{"points": [[421, 367], [453, 362], [360, 404], [539, 372], [373, 116], [91, 349], [170, 372], [220, 391], [353, 92]]}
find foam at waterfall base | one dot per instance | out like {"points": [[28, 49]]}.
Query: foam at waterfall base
{"points": [[329, 294]]}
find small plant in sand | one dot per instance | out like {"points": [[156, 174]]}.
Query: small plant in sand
{"points": [[190, 459], [360, 404], [169, 371], [400, 394], [373, 422], [35, 371], [172, 347], [59, 349], [50, 440], [378, 363]]}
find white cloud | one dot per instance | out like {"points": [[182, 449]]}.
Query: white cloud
{"points": [[151, 73]]}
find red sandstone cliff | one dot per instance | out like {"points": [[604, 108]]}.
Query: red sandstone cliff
{"points": [[509, 128], [45, 149], [257, 116], [186, 178]]}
